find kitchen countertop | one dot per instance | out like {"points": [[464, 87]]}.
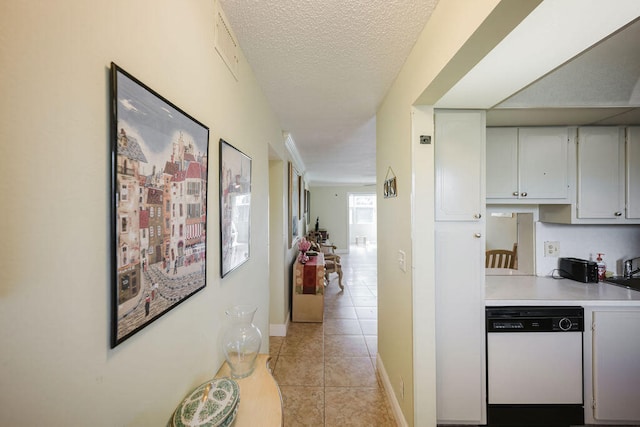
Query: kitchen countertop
{"points": [[535, 290]]}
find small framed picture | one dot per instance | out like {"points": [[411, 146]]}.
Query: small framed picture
{"points": [[235, 208]]}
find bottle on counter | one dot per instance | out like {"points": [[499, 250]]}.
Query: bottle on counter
{"points": [[602, 268]]}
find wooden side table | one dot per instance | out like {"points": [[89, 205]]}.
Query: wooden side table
{"points": [[308, 290], [260, 399]]}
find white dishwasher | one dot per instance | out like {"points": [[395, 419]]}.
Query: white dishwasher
{"points": [[534, 366]]}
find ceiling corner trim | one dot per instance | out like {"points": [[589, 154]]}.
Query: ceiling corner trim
{"points": [[290, 145]]}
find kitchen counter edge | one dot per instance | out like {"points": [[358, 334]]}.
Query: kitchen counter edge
{"points": [[536, 290]]}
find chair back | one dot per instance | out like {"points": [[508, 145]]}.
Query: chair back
{"points": [[314, 236], [500, 258]]}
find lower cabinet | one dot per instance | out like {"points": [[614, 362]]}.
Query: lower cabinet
{"points": [[612, 385], [460, 335]]}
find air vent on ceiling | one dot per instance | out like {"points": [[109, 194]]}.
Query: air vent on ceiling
{"points": [[225, 42]]}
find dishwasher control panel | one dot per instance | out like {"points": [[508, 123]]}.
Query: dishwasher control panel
{"points": [[535, 319]]}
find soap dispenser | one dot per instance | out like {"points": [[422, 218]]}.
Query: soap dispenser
{"points": [[602, 268]]}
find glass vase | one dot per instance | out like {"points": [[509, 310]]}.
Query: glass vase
{"points": [[241, 340]]}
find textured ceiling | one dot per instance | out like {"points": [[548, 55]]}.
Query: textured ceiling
{"points": [[325, 67], [601, 86], [569, 62], [605, 75]]}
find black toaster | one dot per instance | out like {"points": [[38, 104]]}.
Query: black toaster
{"points": [[580, 270]]}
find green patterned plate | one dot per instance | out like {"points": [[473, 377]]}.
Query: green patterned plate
{"points": [[209, 405], [231, 418]]}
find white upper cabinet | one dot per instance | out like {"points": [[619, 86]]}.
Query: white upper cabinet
{"points": [[633, 173], [459, 153], [502, 163], [600, 172], [607, 179], [528, 165], [542, 162]]}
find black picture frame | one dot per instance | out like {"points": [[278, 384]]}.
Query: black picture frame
{"points": [[158, 205], [307, 205], [390, 188], [235, 208], [294, 204]]}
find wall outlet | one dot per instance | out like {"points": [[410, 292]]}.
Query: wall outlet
{"points": [[552, 249]]}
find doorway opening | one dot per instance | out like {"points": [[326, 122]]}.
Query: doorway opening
{"points": [[512, 228], [363, 219]]}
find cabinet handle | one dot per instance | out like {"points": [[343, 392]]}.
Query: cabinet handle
{"points": [[618, 214], [477, 235], [523, 194], [515, 193], [477, 216]]}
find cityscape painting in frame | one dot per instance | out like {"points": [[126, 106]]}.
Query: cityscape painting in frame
{"points": [[294, 204], [159, 205], [235, 207]]}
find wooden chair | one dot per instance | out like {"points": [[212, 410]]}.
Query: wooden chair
{"points": [[314, 237], [331, 263], [500, 258]]}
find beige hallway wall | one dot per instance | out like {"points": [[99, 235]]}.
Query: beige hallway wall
{"points": [[55, 283]]}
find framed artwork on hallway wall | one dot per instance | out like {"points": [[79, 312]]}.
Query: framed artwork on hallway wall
{"points": [[159, 205], [307, 205], [389, 189], [235, 207], [294, 204]]}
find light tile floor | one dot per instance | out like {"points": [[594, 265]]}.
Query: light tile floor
{"points": [[327, 371]]}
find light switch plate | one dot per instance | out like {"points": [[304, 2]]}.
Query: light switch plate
{"points": [[402, 261]]}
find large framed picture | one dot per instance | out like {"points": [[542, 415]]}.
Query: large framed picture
{"points": [[294, 204], [159, 205], [235, 207]]}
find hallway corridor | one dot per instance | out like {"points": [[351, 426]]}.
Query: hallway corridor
{"points": [[327, 371]]}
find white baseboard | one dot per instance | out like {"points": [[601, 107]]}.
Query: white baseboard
{"points": [[278, 329], [388, 389]]}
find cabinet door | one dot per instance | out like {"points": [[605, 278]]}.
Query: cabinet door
{"points": [[502, 163], [616, 366], [600, 173], [459, 162], [542, 161], [633, 173], [460, 342]]}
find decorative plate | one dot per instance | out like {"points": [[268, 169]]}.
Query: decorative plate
{"points": [[209, 405], [231, 418]]}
